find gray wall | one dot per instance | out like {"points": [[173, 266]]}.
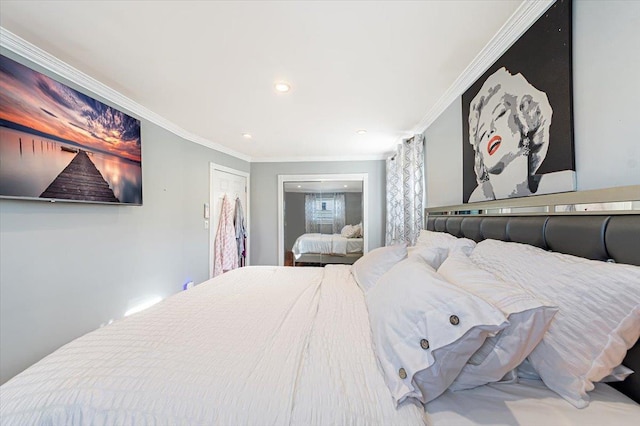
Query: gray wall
{"points": [[294, 219], [67, 269], [605, 99], [443, 158], [353, 208], [264, 201]]}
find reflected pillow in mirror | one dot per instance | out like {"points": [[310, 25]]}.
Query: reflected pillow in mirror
{"points": [[358, 232], [348, 231]]}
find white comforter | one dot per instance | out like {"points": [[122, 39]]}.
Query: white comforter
{"points": [[334, 244], [530, 403], [256, 346]]}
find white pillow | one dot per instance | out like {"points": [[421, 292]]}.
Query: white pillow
{"points": [[432, 238], [619, 374], [434, 256], [425, 329], [599, 317], [463, 245], [444, 240], [358, 230], [529, 319], [370, 267], [348, 231]]}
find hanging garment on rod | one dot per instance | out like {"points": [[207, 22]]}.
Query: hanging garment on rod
{"points": [[225, 248], [241, 233]]}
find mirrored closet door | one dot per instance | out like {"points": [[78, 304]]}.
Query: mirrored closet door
{"points": [[322, 219]]}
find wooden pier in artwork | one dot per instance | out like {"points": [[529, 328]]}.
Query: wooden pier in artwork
{"points": [[80, 180]]}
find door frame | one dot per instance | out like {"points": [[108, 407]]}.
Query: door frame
{"points": [[364, 177], [213, 167]]}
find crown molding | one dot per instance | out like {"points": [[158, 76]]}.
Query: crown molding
{"points": [[23, 48], [526, 14], [372, 157]]}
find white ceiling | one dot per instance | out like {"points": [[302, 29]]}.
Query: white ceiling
{"points": [[209, 67]]}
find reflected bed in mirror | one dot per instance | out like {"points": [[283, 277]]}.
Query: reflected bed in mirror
{"points": [[326, 248], [322, 220]]}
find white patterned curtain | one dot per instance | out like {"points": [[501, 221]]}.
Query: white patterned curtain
{"points": [[405, 192], [339, 208], [311, 224]]}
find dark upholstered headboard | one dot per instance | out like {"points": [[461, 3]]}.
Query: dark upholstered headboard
{"points": [[598, 237]]}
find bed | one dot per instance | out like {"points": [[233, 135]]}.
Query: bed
{"points": [[327, 248], [218, 354]]}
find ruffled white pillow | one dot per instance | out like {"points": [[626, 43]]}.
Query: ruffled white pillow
{"points": [[348, 231], [444, 240], [433, 256], [358, 230], [352, 231], [529, 319], [598, 320]]}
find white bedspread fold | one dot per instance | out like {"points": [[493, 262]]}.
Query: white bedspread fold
{"points": [[340, 381]]}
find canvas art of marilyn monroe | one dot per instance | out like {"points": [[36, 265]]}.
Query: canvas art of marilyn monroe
{"points": [[509, 121]]}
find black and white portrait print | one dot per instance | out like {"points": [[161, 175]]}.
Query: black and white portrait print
{"points": [[517, 118]]}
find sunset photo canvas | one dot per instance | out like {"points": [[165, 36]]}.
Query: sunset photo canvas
{"points": [[59, 144]]}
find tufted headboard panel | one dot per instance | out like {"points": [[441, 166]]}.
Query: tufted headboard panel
{"points": [[598, 237]]}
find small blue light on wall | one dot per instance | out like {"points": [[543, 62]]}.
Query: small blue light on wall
{"points": [[187, 285]]}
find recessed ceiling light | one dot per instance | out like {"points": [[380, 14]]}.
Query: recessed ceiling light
{"points": [[299, 186], [282, 87], [247, 135], [361, 132], [346, 186]]}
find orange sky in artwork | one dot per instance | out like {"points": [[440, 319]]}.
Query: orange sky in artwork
{"points": [[36, 101]]}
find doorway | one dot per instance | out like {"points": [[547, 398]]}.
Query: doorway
{"points": [[316, 214], [235, 185]]}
